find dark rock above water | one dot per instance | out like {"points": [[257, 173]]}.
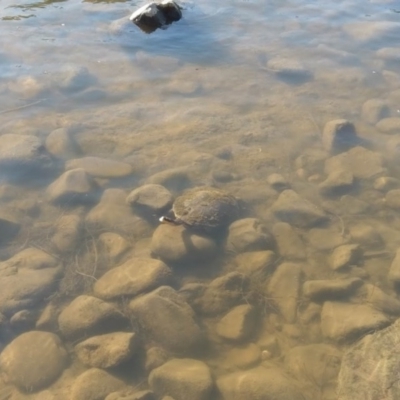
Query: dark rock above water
{"points": [[156, 15]]}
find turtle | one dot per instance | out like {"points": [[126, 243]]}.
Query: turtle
{"points": [[204, 209]]}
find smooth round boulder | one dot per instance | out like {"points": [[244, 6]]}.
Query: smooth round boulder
{"points": [[33, 360], [150, 198], [176, 244]]}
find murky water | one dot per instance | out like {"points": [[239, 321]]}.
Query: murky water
{"points": [[292, 107]]}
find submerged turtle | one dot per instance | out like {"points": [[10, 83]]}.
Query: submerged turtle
{"points": [[204, 208]]}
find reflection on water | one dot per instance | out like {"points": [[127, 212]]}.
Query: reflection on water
{"points": [[292, 108]]}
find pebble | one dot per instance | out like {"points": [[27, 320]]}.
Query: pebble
{"points": [[390, 126]]}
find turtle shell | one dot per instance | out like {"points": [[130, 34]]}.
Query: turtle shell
{"points": [[206, 208]]}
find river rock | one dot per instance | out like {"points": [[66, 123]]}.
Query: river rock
{"points": [[100, 167], [289, 70], [345, 322], [378, 299], [114, 246], [23, 156], [33, 360], [87, 316], [339, 135], [325, 289], [284, 289], [107, 351], [346, 255], [112, 214], [9, 226], [94, 384], [371, 32], [182, 379], [243, 357], [222, 294], [257, 265], [61, 144], [168, 320], [131, 394], [337, 183], [373, 110], [291, 208], [238, 324], [155, 357], [370, 368], [174, 179], [278, 182], [150, 199], [26, 279], [390, 126], [258, 383], [385, 183], [68, 230], [368, 237], [175, 244], [362, 163], [74, 187], [317, 363], [156, 15], [289, 243], [393, 199], [248, 234], [394, 271], [135, 276], [73, 78]]}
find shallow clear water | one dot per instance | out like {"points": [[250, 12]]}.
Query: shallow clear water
{"points": [[232, 93]]}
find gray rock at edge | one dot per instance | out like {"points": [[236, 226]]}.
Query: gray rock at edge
{"points": [[339, 135], [176, 244], [259, 383], [373, 110], [362, 163], [23, 155], [289, 243], [34, 360], [248, 234], [100, 167], [150, 199], [343, 322], [182, 379], [284, 289], [26, 279], [74, 187], [297, 211], [88, 316], [238, 324], [370, 368], [168, 320], [108, 350], [135, 276], [95, 384], [60, 143]]}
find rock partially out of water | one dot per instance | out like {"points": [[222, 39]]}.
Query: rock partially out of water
{"points": [[135, 276], [33, 360], [258, 383], [370, 368], [176, 244], [87, 315], [345, 321], [156, 15], [168, 320], [295, 210], [95, 384], [107, 351], [26, 279], [100, 167], [182, 379]]}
